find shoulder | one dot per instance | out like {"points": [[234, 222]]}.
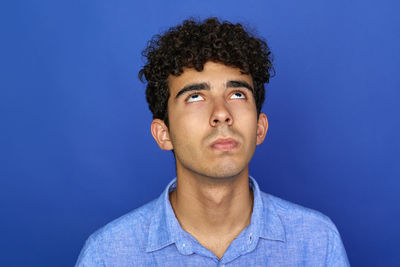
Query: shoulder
{"points": [[296, 216], [130, 225], [309, 234], [126, 234]]}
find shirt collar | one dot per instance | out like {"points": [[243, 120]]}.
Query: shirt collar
{"points": [[165, 229], [265, 221]]}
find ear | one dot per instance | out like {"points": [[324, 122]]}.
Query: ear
{"points": [[262, 127], [160, 133]]}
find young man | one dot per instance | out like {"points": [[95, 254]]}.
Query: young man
{"points": [[205, 89]]}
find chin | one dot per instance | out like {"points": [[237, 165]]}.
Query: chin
{"points": [[225, 170]]}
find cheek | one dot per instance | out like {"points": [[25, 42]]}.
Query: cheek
{"points": [[245, 114], [186, 128], [189, 117], [246, 124]]}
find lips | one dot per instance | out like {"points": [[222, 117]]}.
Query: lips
{"points": [[224, 144]]}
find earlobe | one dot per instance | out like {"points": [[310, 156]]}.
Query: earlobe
{"points": [[160, 133], [262, 128]]}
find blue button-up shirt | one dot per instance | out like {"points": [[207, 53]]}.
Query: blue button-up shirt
{"points": [[280, 234]]}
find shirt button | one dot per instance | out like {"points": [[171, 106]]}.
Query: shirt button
{"points": [[183, 245]]}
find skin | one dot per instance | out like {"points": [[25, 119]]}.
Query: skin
{"points": [[213, 130]]}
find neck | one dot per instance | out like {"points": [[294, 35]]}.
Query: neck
{"points": [[212, 207]]}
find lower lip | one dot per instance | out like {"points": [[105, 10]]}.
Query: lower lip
{"points": [[225, 146]]}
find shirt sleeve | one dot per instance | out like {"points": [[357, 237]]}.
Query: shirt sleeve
{"points": [[337, 256], [90, 255]]}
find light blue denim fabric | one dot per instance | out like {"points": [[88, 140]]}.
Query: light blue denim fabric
{"points": [[280, 234]]}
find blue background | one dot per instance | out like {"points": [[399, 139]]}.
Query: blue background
{"points": [[75, 145]]}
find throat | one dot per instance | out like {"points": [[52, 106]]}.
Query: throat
{"points": [[214, 217]]}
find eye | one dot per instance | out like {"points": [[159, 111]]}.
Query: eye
{"points": [[237, 95], [194, 98]]}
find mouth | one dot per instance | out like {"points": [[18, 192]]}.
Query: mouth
{"points": [[224, 144]]}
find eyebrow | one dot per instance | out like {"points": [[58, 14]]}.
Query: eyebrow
{"points": [[193, 87], [206, 86], [240, 84]]}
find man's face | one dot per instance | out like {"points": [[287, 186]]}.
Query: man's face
{"points": [[213, 125]]}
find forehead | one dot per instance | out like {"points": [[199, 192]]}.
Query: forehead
{"points": [[213, 73]]}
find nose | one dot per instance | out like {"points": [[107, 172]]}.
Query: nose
{"points": [[220, 114]]}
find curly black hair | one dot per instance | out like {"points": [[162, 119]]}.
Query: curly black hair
{"points": [[191, 45]]}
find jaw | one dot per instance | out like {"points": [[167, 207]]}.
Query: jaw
{"points": [[217, 169]]}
